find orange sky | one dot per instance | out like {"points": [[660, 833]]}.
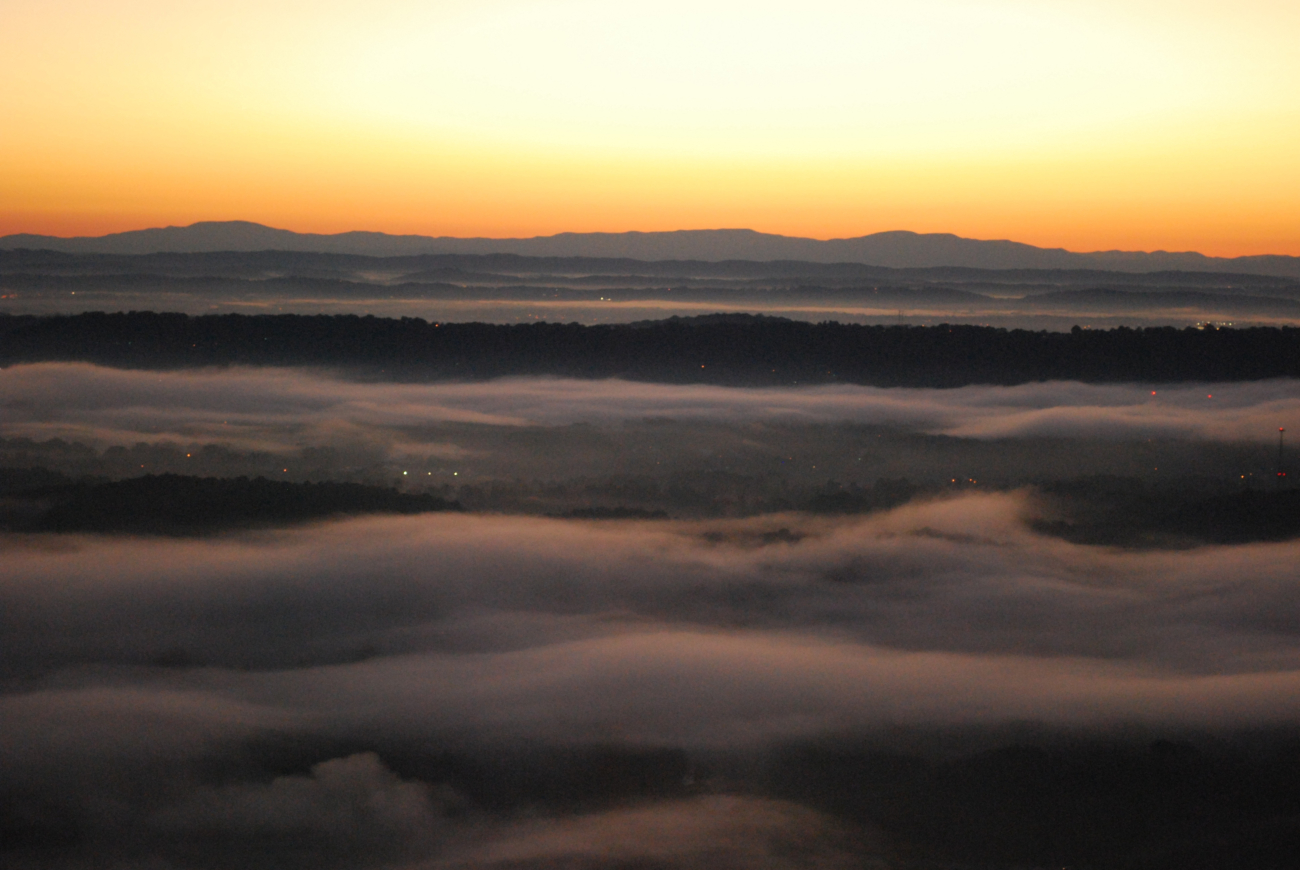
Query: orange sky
{"points": [[1086, 125]]}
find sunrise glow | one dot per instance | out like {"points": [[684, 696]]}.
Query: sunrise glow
{"points": [[1144, 125]]}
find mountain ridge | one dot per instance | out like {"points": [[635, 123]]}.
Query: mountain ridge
{"points": [[893, 249]]}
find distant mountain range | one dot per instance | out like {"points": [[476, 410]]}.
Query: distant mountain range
{"points": [[900, 250]]}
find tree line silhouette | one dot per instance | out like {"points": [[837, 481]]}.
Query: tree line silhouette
{"points": [[173, 504], [717, 349]]}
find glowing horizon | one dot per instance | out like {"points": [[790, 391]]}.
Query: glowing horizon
{"points": [[1098, 126]]}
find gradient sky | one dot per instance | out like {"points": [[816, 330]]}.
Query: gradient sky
{"points": [[1141, 124]]}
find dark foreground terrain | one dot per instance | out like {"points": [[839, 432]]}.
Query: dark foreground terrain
{"points": [[739, 350], [1106, 511], [172, 504], [1097, 804]]}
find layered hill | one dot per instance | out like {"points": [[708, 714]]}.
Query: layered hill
{"points": [[899, 249]]}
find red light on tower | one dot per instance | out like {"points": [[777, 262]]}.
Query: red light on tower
{"points": [[1281, 472]]}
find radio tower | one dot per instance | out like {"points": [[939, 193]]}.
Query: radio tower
{"points": [[1281, 472]]}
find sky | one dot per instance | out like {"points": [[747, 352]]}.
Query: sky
{"points": [[1142, 125]]}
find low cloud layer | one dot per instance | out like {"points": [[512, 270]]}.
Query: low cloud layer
{"points": [[966, 573], [680, 632], [350, 804], [285, 409], [702, 832], [131, 666], [425, 692]]}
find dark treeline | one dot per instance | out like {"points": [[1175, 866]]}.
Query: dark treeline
{"points": [[1167, 804], [729, 349], [1100, 805], [1122, 512], [173, 504], [1106, 511]]}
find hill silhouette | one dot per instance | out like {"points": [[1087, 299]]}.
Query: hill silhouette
{"points": [[895, 249]]}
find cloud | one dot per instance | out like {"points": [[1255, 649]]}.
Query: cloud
{"points": [[127, 719], [286, 409], [227, 691], [747, 690], [962, 574], [711, 831], [303, 697], [463, 607], [347, 799]]}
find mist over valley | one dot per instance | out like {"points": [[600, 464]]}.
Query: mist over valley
{"points": [[827, 625], [509, 288], [660, 563]]}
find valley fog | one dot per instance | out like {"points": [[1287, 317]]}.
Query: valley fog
{"points": [[632, 442], [781, 627]]}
